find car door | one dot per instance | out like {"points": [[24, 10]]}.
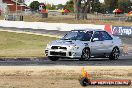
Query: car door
{"points": [[107, 42], [97, 46]]}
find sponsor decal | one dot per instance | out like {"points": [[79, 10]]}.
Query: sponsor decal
{"points": [[122, 30], [85, 80], [119, 30]]}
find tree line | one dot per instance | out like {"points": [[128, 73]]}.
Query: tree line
{"points": [[106, 7], [90, 5]]}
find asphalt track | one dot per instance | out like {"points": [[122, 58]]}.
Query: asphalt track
{"points": [[123, 60]]}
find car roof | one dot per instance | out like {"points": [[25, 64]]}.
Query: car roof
{"points": [[88, 30]]}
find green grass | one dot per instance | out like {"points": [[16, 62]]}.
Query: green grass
{"points": [[23, 45]]}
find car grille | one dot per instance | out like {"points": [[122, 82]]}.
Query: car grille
{"points": [[58, 47], [58, 53]]}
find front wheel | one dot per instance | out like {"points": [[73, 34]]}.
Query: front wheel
{"points": [[85, 54], [53, 58], [114, 54]]}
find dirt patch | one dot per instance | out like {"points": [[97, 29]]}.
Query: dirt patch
{"points": [[58, 76]]}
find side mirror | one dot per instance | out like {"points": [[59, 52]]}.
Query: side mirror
{"points": [[95, 39]]}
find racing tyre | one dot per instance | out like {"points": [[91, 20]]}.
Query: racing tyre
{"points": [[84, 82], [53, 58], [114, 54], [85, 54]]}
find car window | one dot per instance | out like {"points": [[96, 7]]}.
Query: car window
{"points": [[78, 35], [74, 35], [98, 35], [106, 36], [87, 36]]}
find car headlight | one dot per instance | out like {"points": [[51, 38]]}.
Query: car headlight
{"points": [[74, 47]]}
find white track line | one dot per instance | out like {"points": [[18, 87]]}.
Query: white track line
{"points": [[30, 33]]}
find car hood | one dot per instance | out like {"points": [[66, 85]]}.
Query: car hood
{"points": [[68, 43]]}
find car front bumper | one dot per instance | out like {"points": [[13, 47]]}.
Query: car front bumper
{"points": [[62, 53]]}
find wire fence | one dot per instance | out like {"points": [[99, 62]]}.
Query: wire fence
{"points": [[108, 17]]}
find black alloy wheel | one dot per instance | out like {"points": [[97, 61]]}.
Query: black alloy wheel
{"points": [[85, 54], [114, 54]]}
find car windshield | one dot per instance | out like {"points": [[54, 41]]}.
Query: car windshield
{"points": [[78, 35]]}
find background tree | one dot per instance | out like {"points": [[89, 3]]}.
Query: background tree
{"points": [[124, 5], [34, 5], [103, 8], [111, 5], [50, 7], [44, 7], [60, 6], [70, 5], [81, 8], [97, 6]]}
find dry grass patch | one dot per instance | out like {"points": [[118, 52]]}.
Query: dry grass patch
{"points": [[58, 76], [70, 19]]}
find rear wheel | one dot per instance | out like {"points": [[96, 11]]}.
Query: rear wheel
{"points": [[114, 54], [85, 54], [53, 58]]}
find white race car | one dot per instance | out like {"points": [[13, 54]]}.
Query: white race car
{"points": [[85, 44]]}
